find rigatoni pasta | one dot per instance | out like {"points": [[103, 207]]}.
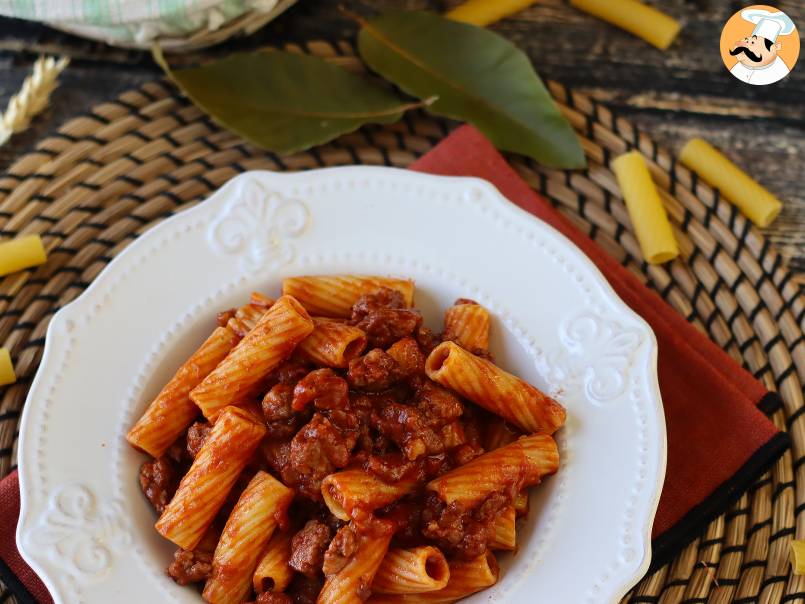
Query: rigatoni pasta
{"points": [[349, 583], [411, 570], [204, 488], [272, 340], [249, 527], [349, 491], [467, 324], [172, 411], [466, 578], [273, 572], [367, 420], [334, 296], [333, 344], [495, 390]]}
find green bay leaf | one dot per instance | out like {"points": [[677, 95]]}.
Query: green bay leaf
{"points": [[477, 76], [283, 101]]}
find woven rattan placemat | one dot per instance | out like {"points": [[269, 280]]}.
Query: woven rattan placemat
{"points": [[109, 175]]}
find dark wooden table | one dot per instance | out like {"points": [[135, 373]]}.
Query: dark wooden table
{"points": [[673, 96]]}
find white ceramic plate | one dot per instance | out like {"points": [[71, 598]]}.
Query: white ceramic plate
{"points": [[86, 528]]}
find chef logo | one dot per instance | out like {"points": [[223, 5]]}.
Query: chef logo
{"points": [[760, 45]]}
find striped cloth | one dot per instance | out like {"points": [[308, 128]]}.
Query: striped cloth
{"points": [[136, 21]]}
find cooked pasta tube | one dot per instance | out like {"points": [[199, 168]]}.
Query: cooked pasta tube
{"points": [[204, 488], [466, 578], [649, 219], [246, 533], [246, 317], [21, 253], [520, 464], [351, 491], [263, 349], [467, 324], [411, 571], [7, 375], [504, 533], [798, 557], [645, 22], [172, 411], [756, 202], [348, 585], [333, 344], [273, 572], [333, 296], [494, 389], [486, 12], [497, 433]]}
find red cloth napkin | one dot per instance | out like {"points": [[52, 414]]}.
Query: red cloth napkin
{"points": [[719, 442]]}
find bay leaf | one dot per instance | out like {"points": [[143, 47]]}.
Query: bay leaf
{"points": [[476, 76], [283, 101]]}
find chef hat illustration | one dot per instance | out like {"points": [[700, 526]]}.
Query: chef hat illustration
{"points": [[768, 25]]}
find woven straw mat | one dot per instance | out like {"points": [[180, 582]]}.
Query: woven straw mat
{"points": [[111, 174]]}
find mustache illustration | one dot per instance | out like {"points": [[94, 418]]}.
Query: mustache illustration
{"points": [[743, 49]]}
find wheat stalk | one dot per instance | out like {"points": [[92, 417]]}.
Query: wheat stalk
{"points": [[32, 97]]}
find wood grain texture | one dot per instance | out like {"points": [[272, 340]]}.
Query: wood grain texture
{"points": [[673, 96]]}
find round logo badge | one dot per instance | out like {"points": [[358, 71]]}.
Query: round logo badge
{"points": [[760, 45]]}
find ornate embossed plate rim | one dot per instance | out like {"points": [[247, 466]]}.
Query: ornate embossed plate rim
{"points": [[604, 584]]}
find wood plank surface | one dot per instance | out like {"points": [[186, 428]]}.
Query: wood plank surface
{"points": [[672, 95]]}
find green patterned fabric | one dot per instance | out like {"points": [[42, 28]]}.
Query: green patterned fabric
{"points": [[136, 21]]}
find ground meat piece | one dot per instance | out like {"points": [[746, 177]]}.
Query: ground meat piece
{"points": [[383, 327], [406, 427], [177, 452], [316, 451], [277, 453], [304, 590], [407, 517], [272, 597], [390, 468], [158, 482], [465, 453], [439, 405], [348, 424], [281, 421], [408, 356], [323, 388], [341, 549], [374, 371], [289, 373], [222, 318], [190, 566], [196, 436], [461, 533], [307, 548], [384, 297], [426, 339]]}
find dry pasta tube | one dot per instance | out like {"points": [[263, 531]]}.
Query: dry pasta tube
{"points": [[351, 491], [798, 557], [522, 463], [7, 375], [247, 531], [466, 578], [172, 411], [646, 22], [486, 12], [411, 571], [467, 324], [348, 584], [504, 533], [333, 296], [21, 253], [648, 215], [273, 572], [263, 349], [494, 389], [756, 202], [332, 344], [204, 488]]}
